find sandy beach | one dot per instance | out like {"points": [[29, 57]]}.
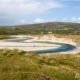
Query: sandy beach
{"points": [[38, 46], [52, 38], [27, 46]]}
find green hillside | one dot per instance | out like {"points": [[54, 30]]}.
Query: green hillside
{"points": [[44, 28]]}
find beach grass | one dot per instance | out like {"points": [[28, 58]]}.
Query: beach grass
{"points": [[5, 37], [21, 65], [75, 38]]}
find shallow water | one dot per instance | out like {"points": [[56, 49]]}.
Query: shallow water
{"points": [[64, 47]]}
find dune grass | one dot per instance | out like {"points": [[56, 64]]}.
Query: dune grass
{"points": [[19, 65], [5, 37], [75, 38]]}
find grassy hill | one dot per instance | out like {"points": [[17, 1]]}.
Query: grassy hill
{"points": [[45, 28]]}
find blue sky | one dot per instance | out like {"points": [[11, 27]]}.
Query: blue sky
{"points": [[14, 12]]}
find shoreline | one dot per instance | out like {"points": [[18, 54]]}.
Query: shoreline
{"points": [[49, 38], [52, 38]]}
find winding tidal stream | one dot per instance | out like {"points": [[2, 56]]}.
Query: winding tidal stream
{"points": [[27, 44]]}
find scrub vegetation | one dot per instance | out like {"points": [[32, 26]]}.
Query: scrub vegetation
{"points": [[75, 38], [43, 28], [20, 65], [5, 37]]}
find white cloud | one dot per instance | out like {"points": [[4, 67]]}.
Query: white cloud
{"points": [[70, 0], [22, 21], [39, 20], [17, 8], [73, 19], [21, 7]]}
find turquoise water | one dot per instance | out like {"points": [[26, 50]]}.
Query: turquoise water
{"points": [[63, 48]]}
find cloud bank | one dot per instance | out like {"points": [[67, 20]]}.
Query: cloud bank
{"points": [[12, 9]]}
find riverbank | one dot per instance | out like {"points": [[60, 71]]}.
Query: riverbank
{"points": [[53, 38], [38, 46]]}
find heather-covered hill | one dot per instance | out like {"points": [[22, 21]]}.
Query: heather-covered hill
{"points": [[45, 28]]}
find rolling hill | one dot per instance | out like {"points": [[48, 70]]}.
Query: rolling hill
{"points": [[42, 28]]}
